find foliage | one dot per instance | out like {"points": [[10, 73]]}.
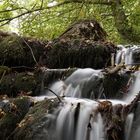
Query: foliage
{"points": [[47, 18]]}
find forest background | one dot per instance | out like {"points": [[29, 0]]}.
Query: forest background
{"points": [[47, 19]]}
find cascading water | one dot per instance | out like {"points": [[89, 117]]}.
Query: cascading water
{"points": [[74, 121], [84, 119], [126, 54], [135, 87], [83, 83], [128, 126]]}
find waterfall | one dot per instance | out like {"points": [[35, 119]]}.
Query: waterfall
{"points": [[78, 118], [83, 83], [129, 55], [81, 118], [126, 54], [128, 125], [135, 87]]}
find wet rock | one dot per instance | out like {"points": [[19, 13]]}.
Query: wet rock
{"points": [[136, 56], [39, 123], [116, 86]]}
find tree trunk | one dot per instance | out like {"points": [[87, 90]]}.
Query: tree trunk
{"points": [[127, 31]]}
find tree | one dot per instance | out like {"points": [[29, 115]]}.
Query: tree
{"points": [[49, 18]]}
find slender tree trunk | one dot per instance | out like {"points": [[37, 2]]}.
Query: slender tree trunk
{"points": [[125, 29], [128, 32]]}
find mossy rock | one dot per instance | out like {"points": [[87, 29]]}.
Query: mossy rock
{"points": [[14, 114], [15, 83], [37, 123]]}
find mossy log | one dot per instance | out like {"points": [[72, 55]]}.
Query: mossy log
{"points": [[19, 51], [93, 55], [82, 45]]}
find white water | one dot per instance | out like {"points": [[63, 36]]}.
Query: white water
{"points": [[78, 119], [128, 125], [126, 54], [74, 118], [135, 88], [83, 83]]}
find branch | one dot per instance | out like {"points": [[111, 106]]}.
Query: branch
{"points": [[58, 97], [30, 50], [115, 69], [103, 2], [11, 10], [7, 20]]}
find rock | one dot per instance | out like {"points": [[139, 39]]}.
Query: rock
{"points": [[15, 110], [30, 83], [37, 124], [15, 83]]}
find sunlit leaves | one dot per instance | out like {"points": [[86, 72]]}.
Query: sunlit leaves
{"points": [[40, 18]]}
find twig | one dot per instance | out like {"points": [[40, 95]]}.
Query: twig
{"points": [[30, 50], [2, 76], [10, 10], [59, 98], [7, 20], [134, 102], [24, 67]]}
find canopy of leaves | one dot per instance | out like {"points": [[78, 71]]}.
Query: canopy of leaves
{"points": [[46, 19]]}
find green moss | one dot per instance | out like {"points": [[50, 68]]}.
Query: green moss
{"points": [[12, 84], [11, 48], [14, 51], [4, 70]]}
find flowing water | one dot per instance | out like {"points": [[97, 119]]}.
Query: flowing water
{"points": [[83, 83], [126, 54], [135, 87], [79, 118], [128, 125]]}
